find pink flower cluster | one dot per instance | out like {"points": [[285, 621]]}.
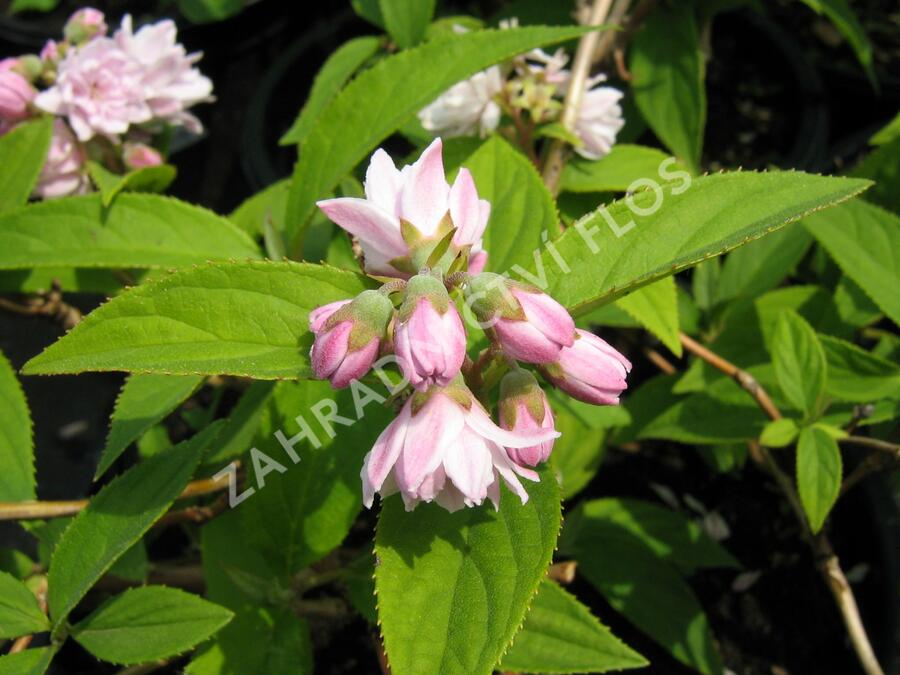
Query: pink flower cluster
{"points": [[532, 92], [444, 446], [110, 96]]}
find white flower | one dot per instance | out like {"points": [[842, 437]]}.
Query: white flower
{"points": [[599, 120], [467, 108]]}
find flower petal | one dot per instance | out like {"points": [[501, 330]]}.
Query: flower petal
{"points": [[383, 182], [423, 199], [478, 420], [375, 226]]}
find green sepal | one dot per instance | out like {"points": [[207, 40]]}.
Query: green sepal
{"points": [[370, 312], [520, 386], [456, 391], [424, 286]]}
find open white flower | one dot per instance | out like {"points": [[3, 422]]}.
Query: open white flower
{"points": [[467, 108]]}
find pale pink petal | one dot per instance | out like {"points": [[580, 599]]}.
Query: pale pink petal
{"points": [[423, 200], [550, 317], [355, 364], [383, 455], [431, 431], [477, 262], [329, 350], [363, 219], [479, 421], [320, 315], [464, 208], [383, 182], [468, 465]]}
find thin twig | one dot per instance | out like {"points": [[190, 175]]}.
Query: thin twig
{"points": [[875, 462], [581, 66], [42, 510], [563, 572], [892, 449], [823, 553], [21, 644], [743, 378], [659, 361], [49, 304]]}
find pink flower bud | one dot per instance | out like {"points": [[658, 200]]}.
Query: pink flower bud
{"points": [[348, 337], [16, 95], [444, 447], [429, 338], [530, 325], [139, 156], [50, 51], [63, 173], [524, 409], [84, 25], [590, 370]]}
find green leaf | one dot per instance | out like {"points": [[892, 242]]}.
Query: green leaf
{"points": [[888, 132], [20, 613], [882, 165], [23, 152], [668, 534], [854, 307], [334, 74], [818, 474], [145, 179], [349, 128], [16, 563], [70, 280], [138, 230], [655, 306], [779, 433], [610, 257], [863, 239], [370, 10], [521, 207], [406, 20], [618, 171], [262, 637], [666, 65], [762, 265], [720, 413], [843, 18], [143, 401], [799, 361], [705, 282], [460, 583], [134, 564], [16, 439], [29, 662], [306, 508], [247, 319], [559, 132], [116, 518], [268, 204], [243, 422], [148, 623], [560, 635], [856, 375], [654, 597]]}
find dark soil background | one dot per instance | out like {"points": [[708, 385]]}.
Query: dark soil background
{"points": [[782, 91]]}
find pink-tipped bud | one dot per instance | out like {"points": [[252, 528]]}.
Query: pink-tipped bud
{"points": [[523, 409], [348, 337], [429, 338], [139, 156], [84, 25], [16, 95], [590, 370], [530, 325]]}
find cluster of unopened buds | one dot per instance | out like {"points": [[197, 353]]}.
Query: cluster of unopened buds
{"points": [[112, 97], [444, 446], [529, 90]]}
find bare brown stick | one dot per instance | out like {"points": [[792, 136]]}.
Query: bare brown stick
{"points": [[563, 572], [194, 514], [823, 553], [747, 382], [42, 510], [659, 361], [49, 304], [891, 449], [581, 66]]}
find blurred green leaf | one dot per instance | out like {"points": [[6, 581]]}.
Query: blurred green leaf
{"points": [[332, 76], [406, 20], [617, 171], [33, 661], [856, 375], [841, 15], [16, 439], [667, 79], [145, 179], [779, 433], [23, 152], [655, 306]]}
